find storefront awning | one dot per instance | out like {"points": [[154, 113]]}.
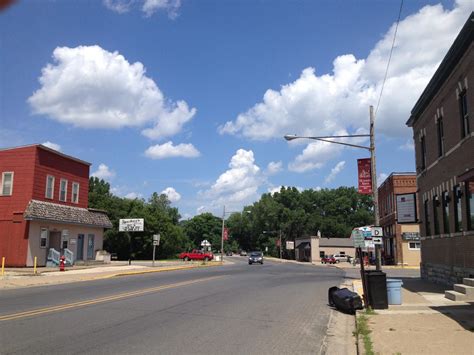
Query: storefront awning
{"points": [[56, 213]]}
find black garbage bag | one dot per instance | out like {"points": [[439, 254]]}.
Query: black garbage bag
{"points": [[344, 300]]}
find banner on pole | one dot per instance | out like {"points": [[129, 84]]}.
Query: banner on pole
{"points": [[365, 176], [226, 234]]}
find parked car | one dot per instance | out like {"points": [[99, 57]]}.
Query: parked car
{"points": [[229, 253], [243, 253], [328, 259], [196, 255], [256, 257], [340, 257]]}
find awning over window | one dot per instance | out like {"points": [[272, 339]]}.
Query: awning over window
{"points": [[47, 211]]}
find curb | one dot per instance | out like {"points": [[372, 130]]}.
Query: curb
{"points": [[140, 272]]}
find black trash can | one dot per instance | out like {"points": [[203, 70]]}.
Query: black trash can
{"points": [[377, 289]]}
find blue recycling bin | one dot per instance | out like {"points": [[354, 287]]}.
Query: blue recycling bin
{"points": [[394, 291]]}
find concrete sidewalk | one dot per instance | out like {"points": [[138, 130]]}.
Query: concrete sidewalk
{"points": [[18, 278], [425, 323]]}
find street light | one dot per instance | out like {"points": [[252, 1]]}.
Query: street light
{"points": [[279, 232], [371, 149]]}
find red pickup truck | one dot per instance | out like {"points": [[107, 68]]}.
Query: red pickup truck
{"points": [[196, 255]]}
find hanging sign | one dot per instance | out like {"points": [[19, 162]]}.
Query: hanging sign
{"points": [[226, 234], [131, 225], [365, 176]]}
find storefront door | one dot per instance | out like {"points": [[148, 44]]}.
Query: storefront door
{"points": [[80, 247], [90, 246]]}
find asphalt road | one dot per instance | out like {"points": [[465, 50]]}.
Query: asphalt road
{"points": [[234, 309]]}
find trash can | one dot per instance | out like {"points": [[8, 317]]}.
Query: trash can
{"points": [[394, 291], [377, 289]]}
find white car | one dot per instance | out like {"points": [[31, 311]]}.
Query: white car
{"points": [[340, 257]]}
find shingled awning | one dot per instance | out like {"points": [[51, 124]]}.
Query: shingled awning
{"points": [[47, 211]]}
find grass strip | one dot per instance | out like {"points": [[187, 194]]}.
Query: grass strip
{"points": [[363, 332]]}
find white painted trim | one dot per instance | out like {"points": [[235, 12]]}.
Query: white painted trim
{"points": [[52, 187], [11, 186]]}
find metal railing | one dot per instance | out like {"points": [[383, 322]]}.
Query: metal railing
{"points": [[69, 255], [53, 256]]}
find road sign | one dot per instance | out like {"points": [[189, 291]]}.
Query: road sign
{"points": [[156, 243], [377, 240], [131, 225], [358, 238], [369, 244], [290, 245], [156, 238], [377, 232]]}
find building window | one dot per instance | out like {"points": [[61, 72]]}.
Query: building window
{"points": [[414, 245], [464, 114], [7, 183], [49, 187], [75, 193], [44, 238], [446, 200], [457, 209], [470, 204], [63, 190], [435, 215], [440, 129], [427, 218], [423, 153]]}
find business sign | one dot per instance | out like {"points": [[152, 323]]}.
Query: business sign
{"points": [[365, 176], [406, 208], [131, 225], [290, 245], [358, 238], [411, 236], [377, 232]]}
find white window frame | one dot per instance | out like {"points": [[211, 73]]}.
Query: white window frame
{"points": [[65, 190], [46, 237], [415, 248], [72, 192], [3, 181], [52, 187]]}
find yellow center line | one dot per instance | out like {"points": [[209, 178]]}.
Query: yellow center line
{"points": [[119, 296]]}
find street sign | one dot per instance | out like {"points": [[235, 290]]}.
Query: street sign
{"points": [[369, 244], [156, 237], [358, 238], [131, 225], [377, 232], [290, 245], [156, 243], [377, 240]]}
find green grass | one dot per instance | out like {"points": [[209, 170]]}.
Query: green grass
{"points": [[362, 332]]}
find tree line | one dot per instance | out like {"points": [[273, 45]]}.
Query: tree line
{"points": [[333, 212]]}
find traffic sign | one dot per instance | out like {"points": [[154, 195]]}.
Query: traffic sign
{"points": [[377, 232], [377, 240], [358, 238], [156, 242], [156, 238]]}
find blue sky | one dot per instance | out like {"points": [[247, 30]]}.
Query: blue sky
{"points": [[192, 98]]}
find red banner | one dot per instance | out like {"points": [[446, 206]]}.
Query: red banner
{"points": [[365, 176], [226, 233], [278, 242]]}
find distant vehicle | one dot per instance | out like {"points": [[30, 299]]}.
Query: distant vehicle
{"points": [[340, 257], [328, 260], [243, 253], [113, 256], [256, 257], [196, 255], [229, 253]]}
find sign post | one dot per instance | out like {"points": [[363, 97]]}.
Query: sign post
{"points": [[131, 225], [156, 241], [358, 239]]}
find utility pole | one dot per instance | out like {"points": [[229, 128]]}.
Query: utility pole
{"points": [[280, 245], [222, 235], [375, 194]]}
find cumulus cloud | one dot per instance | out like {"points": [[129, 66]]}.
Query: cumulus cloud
{"points": [[104, 172], [408, 146], [171, 193], [323, 103], [149, 7], [90, 87], [274, 167], [132, 195], [381, 178], [52, 145], [335, 171], [168, 150]]}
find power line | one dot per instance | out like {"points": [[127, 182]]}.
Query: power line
{"points": [[389, 57]]}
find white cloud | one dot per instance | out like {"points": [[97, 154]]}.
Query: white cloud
{"points": [[274, 167], [381, 178], [119, 6], [273, 190], [171, 193], [335, 171], [104, 172], [52, 145], [168, 150], [322, 104], [149, 7], [409, 145], [90, 87], [133, 195]]}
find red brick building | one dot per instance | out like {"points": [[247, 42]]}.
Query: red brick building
{"points": [[399, 219], [43, 206], [443, 130]]}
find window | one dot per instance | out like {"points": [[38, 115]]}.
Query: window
{"points": [[44, 238], [7, 183], [414, 245], [427, 218], [75, 192], [435, 215], [49, 187], [63, 190], [342, 253], [446, 200], [464, 115], [423, 153], [457, 209], [470, 204], [440, 129]]}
